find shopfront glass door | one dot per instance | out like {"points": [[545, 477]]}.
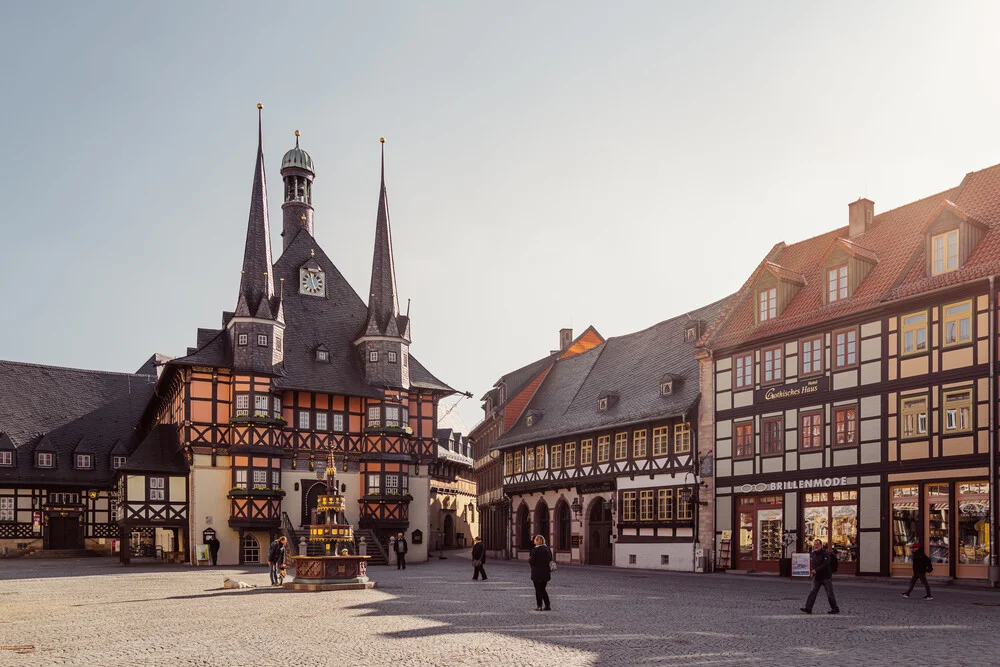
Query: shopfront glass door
{"points": [[760, 523], [973, 530], [905, 527], [938, 528]]}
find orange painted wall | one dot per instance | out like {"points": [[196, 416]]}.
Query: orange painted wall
{"points": [[516, 406], [587, 341]]}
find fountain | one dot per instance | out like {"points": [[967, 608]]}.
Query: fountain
{"points": [[336, 570]]}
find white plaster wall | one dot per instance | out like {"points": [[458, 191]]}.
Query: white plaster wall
{"points": [[648, 556], [210, 507], [420, 489]]}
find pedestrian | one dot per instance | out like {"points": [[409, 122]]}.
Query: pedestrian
{"points": [[541, 560], [276, 558], [821, 568], [478, 559], [213, 549], [921, 566], [400, 547]]}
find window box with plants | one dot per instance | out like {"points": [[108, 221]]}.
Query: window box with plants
{"points": [[383, 428], [255, 492], [386, 498], [258, 418]]}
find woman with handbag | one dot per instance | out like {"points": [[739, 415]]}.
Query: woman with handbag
{"points": [[478, 559], [542, 564]]}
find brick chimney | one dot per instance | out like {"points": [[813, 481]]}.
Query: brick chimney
{"points": [[565, 338], [860, 214]]}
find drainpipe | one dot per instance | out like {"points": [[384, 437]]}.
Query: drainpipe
{"points": [[994, 570]]}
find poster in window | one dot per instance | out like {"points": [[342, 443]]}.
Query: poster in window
{"points": [[800, 564]]}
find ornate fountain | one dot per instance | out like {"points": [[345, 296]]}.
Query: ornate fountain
{"points": [[337, 569]]}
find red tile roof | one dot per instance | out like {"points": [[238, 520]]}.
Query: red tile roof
{"points": [[895, 241]]}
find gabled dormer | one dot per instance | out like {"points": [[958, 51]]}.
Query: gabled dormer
{"points": [[843, 267], [533, 417], [8, 451], [773, 290], [950, 236], [45, 453], [669, 383], [693, 330], [83, 455], [321, 354], [606, 400]]}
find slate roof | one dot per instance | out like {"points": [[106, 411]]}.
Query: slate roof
{"points": [[629, 366], [895, 243], [65, 410], [159, 451]]}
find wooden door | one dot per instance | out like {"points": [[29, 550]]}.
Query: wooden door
{"points": [[599, 533], [64, 532]]}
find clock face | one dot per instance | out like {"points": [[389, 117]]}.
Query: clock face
{"points": [[311, 282]]}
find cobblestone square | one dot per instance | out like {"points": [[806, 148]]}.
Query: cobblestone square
{"points": [[91, 611]]}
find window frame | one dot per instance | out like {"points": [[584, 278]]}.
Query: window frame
{"points": [[84, 461], [261, 340], [7, 458], [647, 506], [740, 376], [8, 514], [810, 415], [946, 319], [665, 501], [768, 447], [857, 349], [160, 487], [639, 438], [587, 452], [743, 435], [777, 369], [569, 455], [529, 459], [242, 399], [905, 328], [51, 458], [767, 304], [392, 357], [305, 420], [540, 458], [621, 446], [970, 427], [661, 441], [946, 254], [837, 283], [903, 412], [603, 448], [242, 339], [556, 457], [322, 420], [685, 504], [682, 438], [373, 356], [853, 440], [629, 506], [812, 340]]}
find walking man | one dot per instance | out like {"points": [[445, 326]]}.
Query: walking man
{"points": [[276, 558], [478, 559], [921, 566], [213, 549], [400, 547], [822, 571]]}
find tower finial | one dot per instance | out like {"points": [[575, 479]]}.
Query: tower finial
{"points": [[296, 138]]}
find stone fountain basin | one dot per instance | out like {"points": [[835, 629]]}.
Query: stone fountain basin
{"points": [[330, 573]]}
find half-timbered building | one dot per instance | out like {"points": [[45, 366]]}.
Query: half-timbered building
{"points": [[855, 391], [603, 460]]}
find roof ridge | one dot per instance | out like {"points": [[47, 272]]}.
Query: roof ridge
{"points": [[73, 368]]}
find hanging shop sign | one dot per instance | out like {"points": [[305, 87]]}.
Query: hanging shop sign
{"points": [[36, 523], [783, 391], [794, 484], [596, 487]]}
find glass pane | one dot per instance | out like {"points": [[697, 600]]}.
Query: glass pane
{"points": [[817, 525], [905, 521], [746, 536], [769, 524], [938, 541], [844, 532], [973, 529]]}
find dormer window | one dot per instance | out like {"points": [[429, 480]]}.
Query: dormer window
{"points": [[6, 459], [84, 461], [692, 332], [530, 421], [666, 388], [836, 283], [767, 304], [45, 460], [261, 340], [945, 252], [322, 355], [602, 404], [117, 462]]}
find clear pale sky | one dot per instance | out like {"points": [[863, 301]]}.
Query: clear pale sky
{"points": [[549, 164]]}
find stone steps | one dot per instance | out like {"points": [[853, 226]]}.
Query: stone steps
{"points": [[63, 553]]}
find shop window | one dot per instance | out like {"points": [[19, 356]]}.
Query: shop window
{"points": [[956, 408], [743, 366], [743, 441], [772, 365], [772, 434], [646, 505], [845, 348], [570, 454], [661, 438], [905, 521], [957, 323], [973, 523], [628, 506], [836, 284], [586, 452], [665, 504], [555, 457], [621, 446], [913, 329], [812, 356], [845, 421], [832, 518], [945, 249], [810, 430], [938, 528], [529, 459], [913, 422], [540, 457], [639, 444], [767, 304], [682, 438]]}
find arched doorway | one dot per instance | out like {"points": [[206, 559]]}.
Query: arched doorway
{"points": [[562, 537], [523, 528], [449, 530], [599, 533], [311, 501], [542, 521]]}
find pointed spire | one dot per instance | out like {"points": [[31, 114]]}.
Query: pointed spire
{"points": [[257, 284], [383, 304]]}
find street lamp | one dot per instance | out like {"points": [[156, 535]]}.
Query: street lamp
{"points": [[576, 507]]}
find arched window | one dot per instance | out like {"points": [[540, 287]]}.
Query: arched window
{"points": [[542, 521], [251, 549], [524, 527], [562, 526]]}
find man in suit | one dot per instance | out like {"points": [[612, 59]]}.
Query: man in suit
{"points": [[478, 559], [400, 547]]}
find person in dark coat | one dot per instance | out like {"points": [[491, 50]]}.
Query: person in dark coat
{"points": [[276, 558], [921, 566], [822, 572], [478, 559], [400, 547], [213, 549], [539, 560]]}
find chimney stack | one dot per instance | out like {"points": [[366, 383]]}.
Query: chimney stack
{"points": [[860, 214], [565, 338]]}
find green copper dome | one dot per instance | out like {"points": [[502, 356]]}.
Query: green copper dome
{"points": [[297, 157]]}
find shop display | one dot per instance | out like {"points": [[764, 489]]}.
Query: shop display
{"points": [[769, 523], [973, 523], [905, 521], [938, 542]]}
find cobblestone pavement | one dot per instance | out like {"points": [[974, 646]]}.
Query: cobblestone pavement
{"points": [[91, 611]]}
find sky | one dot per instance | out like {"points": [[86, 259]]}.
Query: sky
{"points": [[549, 165]]}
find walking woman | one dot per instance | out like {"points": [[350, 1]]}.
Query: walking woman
{"points": [[540, 560]]}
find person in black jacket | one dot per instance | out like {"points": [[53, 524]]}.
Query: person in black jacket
{"points": [[921, 566], [539, 560], [276, 558], [213, 549], [478, 559], [820, 566], [400, 548]]}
